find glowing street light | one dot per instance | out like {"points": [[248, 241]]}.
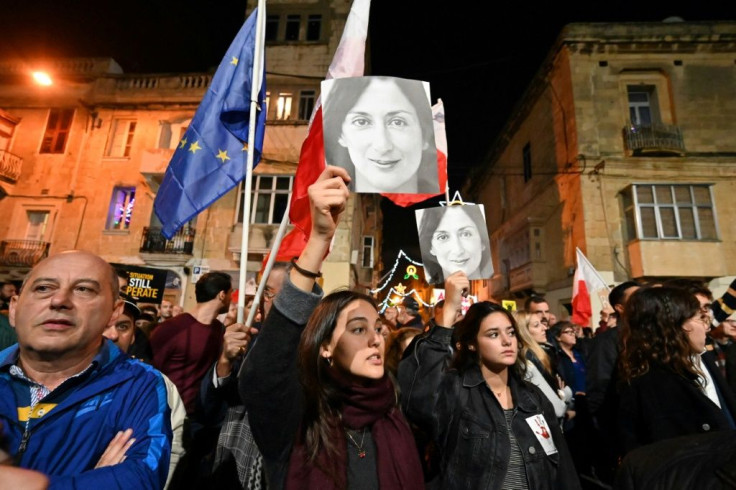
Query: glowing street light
{"points": [[42, 78]]}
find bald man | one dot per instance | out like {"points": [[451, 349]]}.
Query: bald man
{"points": [[66, 391]]}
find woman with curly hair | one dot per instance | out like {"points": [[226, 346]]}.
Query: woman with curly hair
{"points": [[494, 430], [667, 389]]}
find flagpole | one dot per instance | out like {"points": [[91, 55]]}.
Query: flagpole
{"points": [[246, 195]]}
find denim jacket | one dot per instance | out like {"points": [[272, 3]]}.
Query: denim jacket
{"points": [[468, 423]]}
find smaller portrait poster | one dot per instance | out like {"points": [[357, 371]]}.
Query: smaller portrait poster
{"points": [[381, 130], [454, 238]]}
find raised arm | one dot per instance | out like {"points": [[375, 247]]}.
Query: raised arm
{"points": [[269, 384], [421, 370]]}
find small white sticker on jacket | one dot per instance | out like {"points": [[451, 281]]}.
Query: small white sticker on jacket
{"points": [[544, 435]]}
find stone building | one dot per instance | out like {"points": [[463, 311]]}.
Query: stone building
{"points": [[622, 145], [81, 161]]}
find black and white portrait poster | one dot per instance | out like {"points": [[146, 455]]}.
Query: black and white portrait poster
{"points": [[381, 130], [454, 238]]}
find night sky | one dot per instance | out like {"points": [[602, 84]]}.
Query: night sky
{"points": [[478, 56]]}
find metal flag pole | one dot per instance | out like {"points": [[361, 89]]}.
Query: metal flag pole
{"points": [[254, 91]]}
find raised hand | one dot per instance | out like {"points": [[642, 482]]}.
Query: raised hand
{"points": [[455, 284], [235, 343], [328, 197]]}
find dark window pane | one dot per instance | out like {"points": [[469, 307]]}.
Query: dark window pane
{"points": [[707, 224], [687, 223], [282, 183], [644, 194], [645, 116], [648, 223], [279, 206], [702, 195], [314, 27], [306, 104], [669, 225], [638, 97], [266, 183], [262, 204], [292, 27], [272, 27], [682, 194], [664, 194]]}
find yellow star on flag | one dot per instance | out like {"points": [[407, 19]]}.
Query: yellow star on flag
{"points": [[400, 288], [183, 143], [222, 155], [234, 61], [194, 147]]}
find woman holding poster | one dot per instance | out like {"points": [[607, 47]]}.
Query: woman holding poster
{"points": [[380, 130], [495, 430]]}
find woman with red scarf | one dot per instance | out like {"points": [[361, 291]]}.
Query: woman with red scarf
{"points": [[321, 406]]}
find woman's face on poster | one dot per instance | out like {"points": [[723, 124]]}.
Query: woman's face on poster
{"points": [[383, 137], [456, 243]]}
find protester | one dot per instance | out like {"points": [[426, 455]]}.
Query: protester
{"points": [[164, 311], [339, 428], [238, 462], [667, 389], [7, 291], [390, 317], [67, 395], [184, 348], [494, 429], [537, 305], [380, 131], [123, 333], [7, 333], [539, 370], [409, 315]]}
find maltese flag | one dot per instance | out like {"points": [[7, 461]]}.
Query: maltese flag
{"points": [[587, 281]]}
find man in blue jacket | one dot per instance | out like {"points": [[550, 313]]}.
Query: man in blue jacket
{"points": [[66, 392]]}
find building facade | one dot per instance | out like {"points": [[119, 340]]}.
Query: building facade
{"points": [[81, 161], [623, 145]]}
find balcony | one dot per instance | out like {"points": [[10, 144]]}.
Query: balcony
{"points": [[157, 250], [10, 166], [22, 253], [655, 139]]}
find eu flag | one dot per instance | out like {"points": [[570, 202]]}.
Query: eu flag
{"points": [[210, 159]]}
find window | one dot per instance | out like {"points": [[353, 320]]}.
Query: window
{"points": [[368, 251], [37, 221], [121, 138], [314, 27], [306, 104], [121, 208], [283, 106], [527, 157], [270, 198], [57, 130], [272, 27], [292, 27], [640, 105], [670, 212]]}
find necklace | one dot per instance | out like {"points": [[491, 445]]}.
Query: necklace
{"points": [[361, 451]]}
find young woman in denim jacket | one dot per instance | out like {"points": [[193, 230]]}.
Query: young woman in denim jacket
{"points": [[494, 429]]}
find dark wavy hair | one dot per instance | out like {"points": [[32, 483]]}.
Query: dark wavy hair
{"points": [[431, 218], [323, 406], [466, 334], [343, 96], [652, 332]]}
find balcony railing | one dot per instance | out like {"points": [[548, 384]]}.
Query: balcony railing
{"points": [[655, 138], [10, 166], [155, 242], [22, 253]]}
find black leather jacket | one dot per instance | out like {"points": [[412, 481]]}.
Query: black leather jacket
{"points": [[468, 423]]}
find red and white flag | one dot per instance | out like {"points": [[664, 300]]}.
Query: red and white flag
{"points": [[586, 282]]}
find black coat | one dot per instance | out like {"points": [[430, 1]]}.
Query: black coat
{"points": [[662, 404], [469, 426]]}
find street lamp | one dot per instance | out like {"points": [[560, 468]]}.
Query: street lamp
{"points": [[42, 78]]}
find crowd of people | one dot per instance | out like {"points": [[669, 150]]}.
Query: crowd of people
{"points": [[326, 391]]}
